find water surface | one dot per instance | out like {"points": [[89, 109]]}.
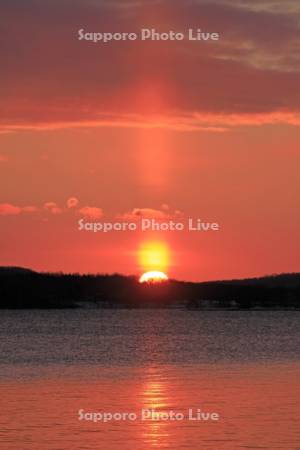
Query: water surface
{"points": [[245, 366]]}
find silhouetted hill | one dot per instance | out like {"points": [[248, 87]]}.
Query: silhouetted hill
{"points": [[11, 270], [283, 279], [24, 288]]}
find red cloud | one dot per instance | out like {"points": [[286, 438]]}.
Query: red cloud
{"points": [[91, 212], [149, 213], [52, 207], [6, 209], [72, 202]]}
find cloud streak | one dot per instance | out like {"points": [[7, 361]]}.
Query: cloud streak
{"points": [[90, 212], [8, 209]]}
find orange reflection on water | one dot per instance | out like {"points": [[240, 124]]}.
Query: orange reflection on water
{"points": [[155, 397], [258, 406]]}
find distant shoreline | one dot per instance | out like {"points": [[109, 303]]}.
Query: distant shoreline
{"points": [[25, 289]]}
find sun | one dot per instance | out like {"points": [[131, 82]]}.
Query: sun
{"points": [[154, 276], [154, 261]]}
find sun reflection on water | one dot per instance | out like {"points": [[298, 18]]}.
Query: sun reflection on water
{"points": [[156, 396]]}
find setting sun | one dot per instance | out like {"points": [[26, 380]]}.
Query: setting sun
{"points": [[154, 276]]}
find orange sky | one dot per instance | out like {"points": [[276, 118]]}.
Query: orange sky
{"points": [[164, 129]]}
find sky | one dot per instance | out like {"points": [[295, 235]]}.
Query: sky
{"points": [[150, 129]]}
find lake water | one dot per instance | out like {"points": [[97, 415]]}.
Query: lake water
{"points": [[242, 366]]}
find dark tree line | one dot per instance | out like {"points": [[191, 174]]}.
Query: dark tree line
{"points": [[22, 288]]}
